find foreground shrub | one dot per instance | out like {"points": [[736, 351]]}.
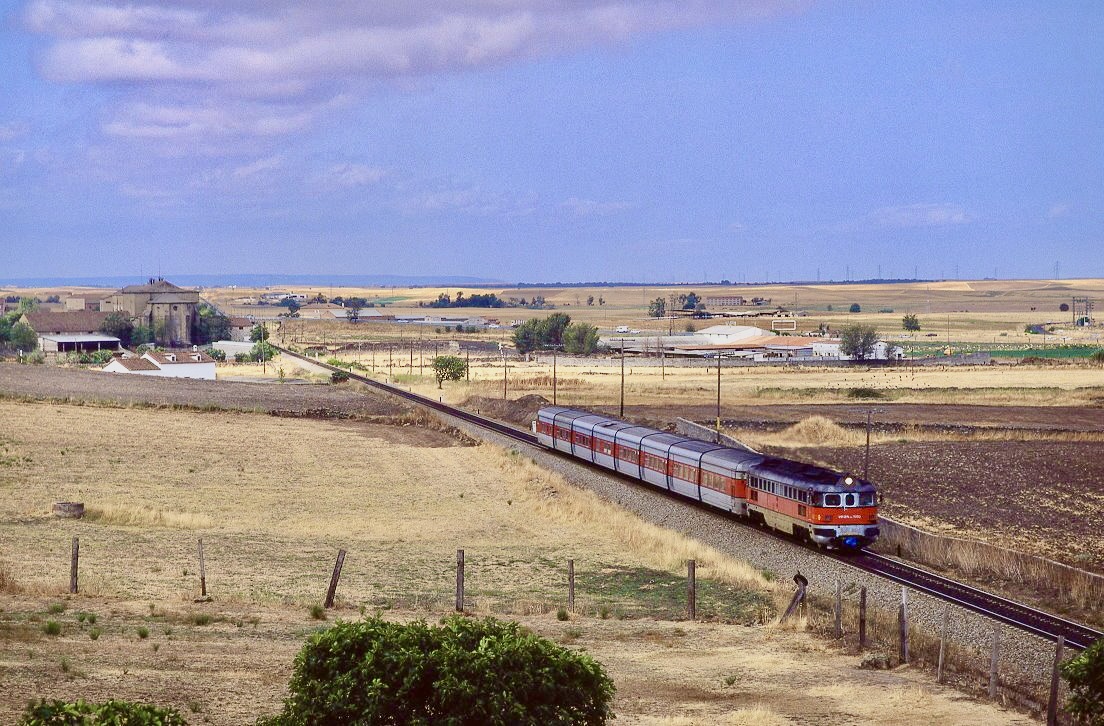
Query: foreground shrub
{"points": [[1085, 675], [82, 713], [464, 672]]}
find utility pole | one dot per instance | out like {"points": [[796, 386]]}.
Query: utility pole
{"points": [[718, 394], [866, 457], [621, 408], [504, 375], [553, 376]]}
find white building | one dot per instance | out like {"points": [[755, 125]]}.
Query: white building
{"points": [[192, 364], [830, 349]]}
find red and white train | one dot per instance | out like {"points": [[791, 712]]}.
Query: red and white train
{"points": [[834, 510]]}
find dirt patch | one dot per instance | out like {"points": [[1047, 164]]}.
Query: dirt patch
{"points": [[521, 411], [69, 384], [1042, 497]]}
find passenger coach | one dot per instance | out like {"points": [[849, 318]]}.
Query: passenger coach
{"points": [[811, 502]]}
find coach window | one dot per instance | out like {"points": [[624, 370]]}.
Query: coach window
{"points": [[831, 500], [866, 499]]}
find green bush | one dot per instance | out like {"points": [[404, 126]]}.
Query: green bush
{"points": [[855, 308], [464, 672], [82, 713], [1085, 675], [339, 376]]}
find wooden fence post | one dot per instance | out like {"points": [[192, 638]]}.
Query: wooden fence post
{"points": [[839, 609], [993, 661], [571, 586], [862, 617], [202, 572], [902, 627], [691, 589], [459, 581], [1052, 704], [330, 593], [943, 643], [73, 566]]}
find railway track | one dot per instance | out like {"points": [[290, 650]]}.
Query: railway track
{"points": [[1009, 612]]}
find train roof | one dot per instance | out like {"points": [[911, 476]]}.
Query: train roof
{"points": [[800, 474]]}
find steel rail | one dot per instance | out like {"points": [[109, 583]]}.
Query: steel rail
{"points": [[1009, 612]]}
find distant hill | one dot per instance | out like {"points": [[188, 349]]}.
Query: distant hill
{"points": [[259, 280]]}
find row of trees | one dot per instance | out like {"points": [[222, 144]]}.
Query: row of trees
{"points": [[556, 332]]}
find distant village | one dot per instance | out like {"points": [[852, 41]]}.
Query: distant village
{"points": [[160, 329]]}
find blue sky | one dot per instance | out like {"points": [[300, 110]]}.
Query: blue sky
{"points": [[541, 141]]}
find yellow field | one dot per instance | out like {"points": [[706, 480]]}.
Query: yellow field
{"points": [[585, 383], [274, 498]]}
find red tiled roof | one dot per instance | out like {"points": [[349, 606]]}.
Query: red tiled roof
{"points": [[74, 321], [137, 364], [161, 358], [241, 322]]}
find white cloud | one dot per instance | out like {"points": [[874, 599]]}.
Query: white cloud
{"points": [[352, 175], [227, 53], [9, 132], [259, 166], [591, 208], [920, 215], [1060, 209]]}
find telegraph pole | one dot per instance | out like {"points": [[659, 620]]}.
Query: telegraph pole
{"points": [[553, 376], [621, 408], [866, 457], [718, 394], [504, 375]]}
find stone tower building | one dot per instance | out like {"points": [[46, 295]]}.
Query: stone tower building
{"points": [[169, 311]]}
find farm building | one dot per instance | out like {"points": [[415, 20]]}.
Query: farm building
{"points": [[65, 332], [191, 364], [240, 329]]}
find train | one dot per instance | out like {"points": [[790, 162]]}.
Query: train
{"points": [[834, 510]]}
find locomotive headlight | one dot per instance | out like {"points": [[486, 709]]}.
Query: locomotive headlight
{"points": [[848, 481]]}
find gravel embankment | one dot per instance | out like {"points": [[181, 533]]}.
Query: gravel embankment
{"points": [[1023, 658]]}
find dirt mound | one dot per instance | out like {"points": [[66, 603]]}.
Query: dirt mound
{"points": [[819, 431], [521, 411]]}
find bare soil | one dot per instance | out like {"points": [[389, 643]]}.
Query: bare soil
{"points": [[321, 400], [1032, 418], [1042, 497]]}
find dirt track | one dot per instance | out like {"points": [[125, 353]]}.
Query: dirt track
{"points": [[63, 383]]}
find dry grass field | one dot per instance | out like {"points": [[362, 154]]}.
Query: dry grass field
{"points": [[273, 498], [597, 383], [954, 311]]}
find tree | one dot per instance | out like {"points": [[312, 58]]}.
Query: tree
{"points": [[590, 299], [1064, 307], [855, 308], [211, 325], [141, 334], [263, 351], [690, 302], [657, 308], [259, 333], [291, 305], [464, 672], [1085, 675], [23, 337], [354, 305], [580, 338], [601, 301], [119, 325], [28, 304], [910, 322], [449, 368], [858, 341], [541, 333]]}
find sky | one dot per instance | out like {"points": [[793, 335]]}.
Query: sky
{"points": [[542, 141]]}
